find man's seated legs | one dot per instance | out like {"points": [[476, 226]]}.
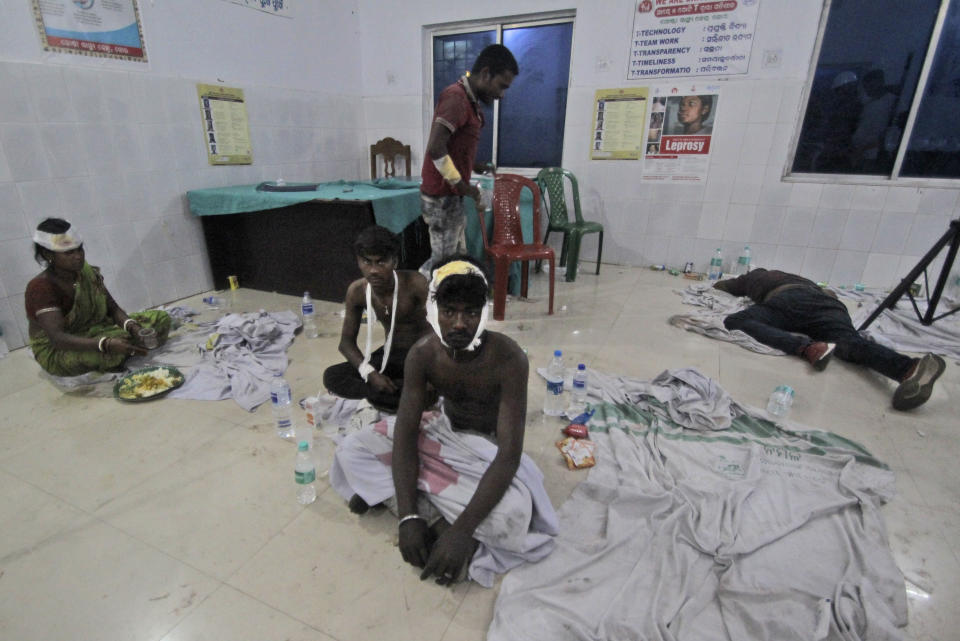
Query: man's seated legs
{"points": [[344, 380]]}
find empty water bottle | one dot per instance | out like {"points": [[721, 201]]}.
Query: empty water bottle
{"points": [[213, 302], [309, 318], [578, 399], [305, 473], [553, 401], [280, 401], [716, 265], [780, 401], [743, 262]]}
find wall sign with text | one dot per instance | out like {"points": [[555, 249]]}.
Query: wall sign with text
{"points": [[681, 126], [105, 29], [226, 129], [687, 38], [618, 122]]}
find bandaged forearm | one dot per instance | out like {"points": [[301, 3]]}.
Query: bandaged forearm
{"points": [[447, 169], [365, 369]]}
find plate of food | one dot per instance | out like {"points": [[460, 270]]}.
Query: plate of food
{"points": [[148, 383]]}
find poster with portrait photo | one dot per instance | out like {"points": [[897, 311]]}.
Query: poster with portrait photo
{"points": [[680, 132]]}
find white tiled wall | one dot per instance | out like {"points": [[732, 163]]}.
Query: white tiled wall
{"points": [[842, 234], [115, 152]]}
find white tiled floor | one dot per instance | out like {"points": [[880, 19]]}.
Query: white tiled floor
{"points": [[176, 520]]}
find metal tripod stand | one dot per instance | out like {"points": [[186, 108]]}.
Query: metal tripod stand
{"points": [[951, 239]]}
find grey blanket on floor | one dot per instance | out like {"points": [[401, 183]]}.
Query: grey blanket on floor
{"points": [[746, 532], [713, 306], [240, 362], [900, 329]]}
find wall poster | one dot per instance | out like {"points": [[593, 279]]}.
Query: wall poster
{"points": [[106, 29], [226, 130], [689, 38], [618, 124], [680, 130]]}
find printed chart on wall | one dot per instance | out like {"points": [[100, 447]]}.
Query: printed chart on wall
{"points": [[686, 38], [226, 130], [680, 130], [107, 29], [618, 121]]}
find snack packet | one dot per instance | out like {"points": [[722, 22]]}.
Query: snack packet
{"points": [[578, 426], [578, 452]]}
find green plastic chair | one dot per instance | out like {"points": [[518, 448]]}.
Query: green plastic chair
{"points": [[551, 183]]}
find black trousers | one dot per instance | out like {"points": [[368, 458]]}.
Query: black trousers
{"points": [[817, 317], [344, 380]]}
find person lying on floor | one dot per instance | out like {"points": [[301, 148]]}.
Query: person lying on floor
{"points": [[75, 325], [469, 501], [793, 314], [395, 298]]}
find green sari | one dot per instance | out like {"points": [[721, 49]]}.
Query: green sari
{"points": [[89, 319]]}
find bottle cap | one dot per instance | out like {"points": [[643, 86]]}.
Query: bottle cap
{"points": [[304, 446], [785, 388], [557, 352], [581, 366]]}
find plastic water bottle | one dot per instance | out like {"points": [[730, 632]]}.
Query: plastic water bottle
{"points": [[578, 399], [743, 262], [280, 401], [213, 302], [309, 318], [305, 473], [780, 401], [553, 401], [716, 265]]}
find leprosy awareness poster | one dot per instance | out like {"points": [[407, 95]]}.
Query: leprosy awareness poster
{"points": [[680, 131], [101, 28], [688, 38]]}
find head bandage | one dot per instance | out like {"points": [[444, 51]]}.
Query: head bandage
{"points": [[461, 268], [64, 242]]}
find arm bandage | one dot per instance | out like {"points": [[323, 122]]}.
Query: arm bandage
{"points": [[447, 169]]}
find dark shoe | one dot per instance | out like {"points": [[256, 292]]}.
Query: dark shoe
{"points": [[819, 354], [916, 388]]}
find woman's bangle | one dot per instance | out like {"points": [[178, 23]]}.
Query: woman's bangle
{"points": [[103, 339], [409, 517], [129, 320]]}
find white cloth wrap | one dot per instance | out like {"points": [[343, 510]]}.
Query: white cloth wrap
{"points": [[67, 241], [433, 313], [365, 368]]}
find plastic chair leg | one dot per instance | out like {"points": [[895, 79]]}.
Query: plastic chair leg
{"points": [[552, 274], [599, 252], [573, 257], [500, 270], [564, 247], [524, 277], [539, 263]]}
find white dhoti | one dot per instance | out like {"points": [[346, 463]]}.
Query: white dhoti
{"points": [[520, 528]]}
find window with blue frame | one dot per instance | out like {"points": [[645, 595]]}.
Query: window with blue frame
{"points": [[884, 93], [525, 129]]}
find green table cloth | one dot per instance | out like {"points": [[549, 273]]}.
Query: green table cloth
{"points": [[396, 203]]}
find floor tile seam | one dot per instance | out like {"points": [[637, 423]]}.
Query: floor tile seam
{"points": [[279, 531], [284, 613], [190, 612], [942, 530], [453, 616]]}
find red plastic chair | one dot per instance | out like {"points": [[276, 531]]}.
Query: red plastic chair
{"points": [[507, 244]]}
